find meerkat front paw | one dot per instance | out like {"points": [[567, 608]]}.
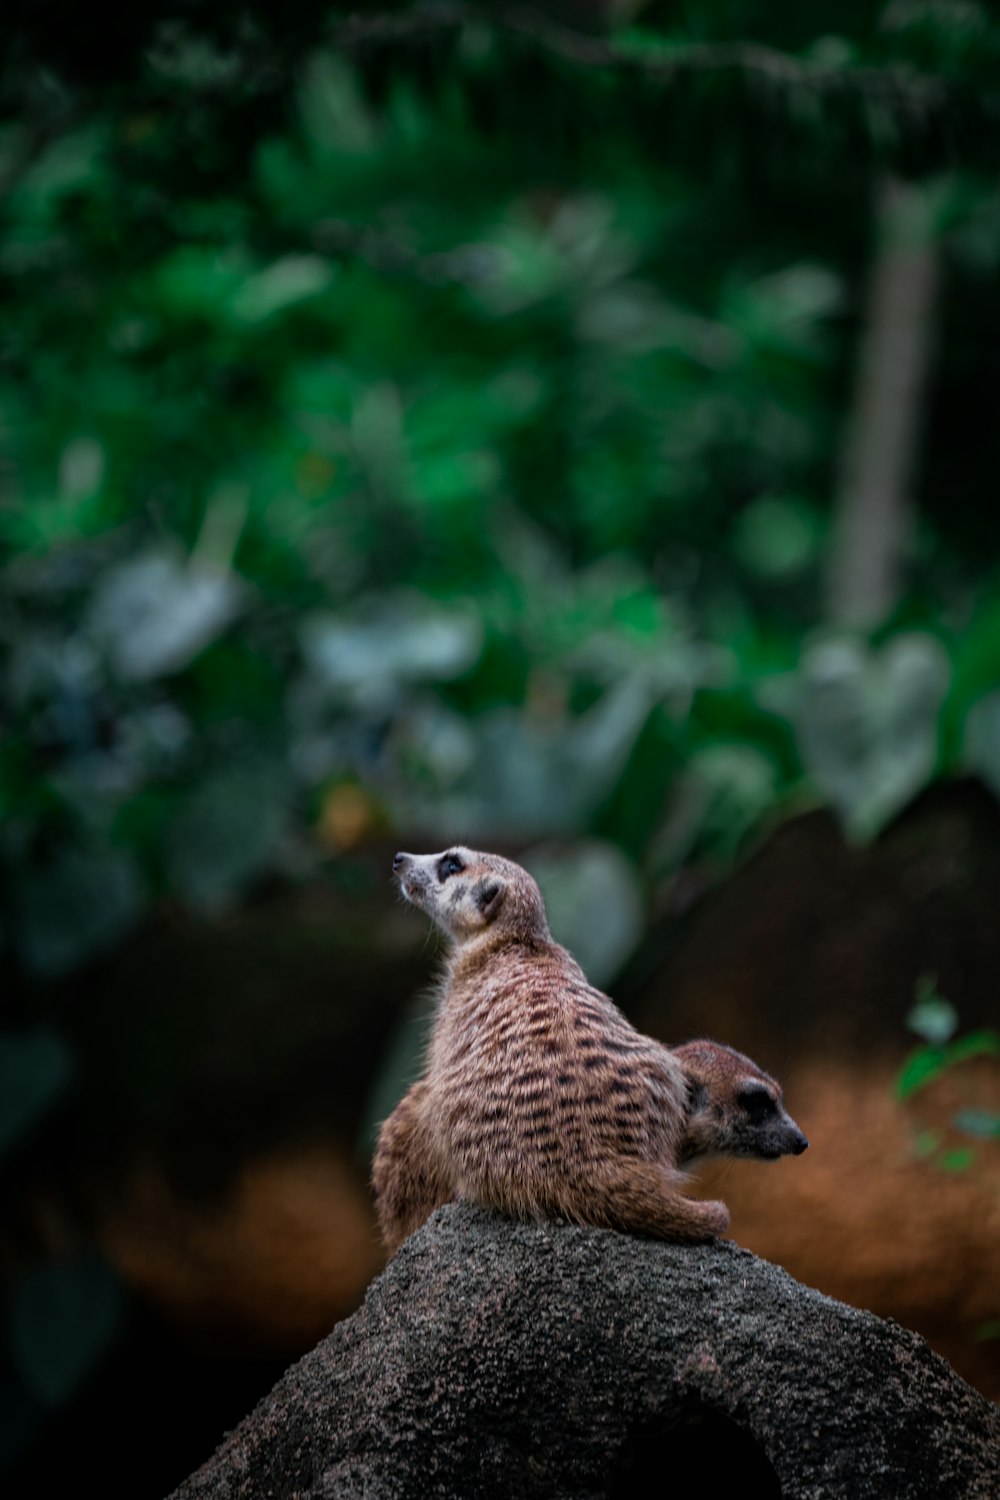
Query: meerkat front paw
{"points": [[716, 1216]]}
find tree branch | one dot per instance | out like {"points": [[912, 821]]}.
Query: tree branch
{"points": [[667, 62]]}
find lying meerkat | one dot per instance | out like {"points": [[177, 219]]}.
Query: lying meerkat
{"points": [[540, 1099]]}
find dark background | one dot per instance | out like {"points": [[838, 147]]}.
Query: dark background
{"points": [[567, 429]]}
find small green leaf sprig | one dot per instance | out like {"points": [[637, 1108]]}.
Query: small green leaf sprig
{"points": [[935, 1020]]}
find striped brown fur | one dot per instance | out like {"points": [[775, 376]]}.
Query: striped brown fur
{"points": [[540, 1098]]}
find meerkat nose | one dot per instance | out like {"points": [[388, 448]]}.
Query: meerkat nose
{"points": [[399, 860], [799, 1144]]}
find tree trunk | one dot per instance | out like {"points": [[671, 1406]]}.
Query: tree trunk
{"points": [[873, 510]]}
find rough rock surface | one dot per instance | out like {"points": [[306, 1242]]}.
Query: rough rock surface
{"points": [[495, 1359]]}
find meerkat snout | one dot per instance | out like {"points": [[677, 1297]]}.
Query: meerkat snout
{"points": [[405, 869]]}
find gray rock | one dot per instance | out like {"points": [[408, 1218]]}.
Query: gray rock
{"points": [[494, 1359]]}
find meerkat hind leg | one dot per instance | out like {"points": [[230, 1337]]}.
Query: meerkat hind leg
{"points": [[642, 1198], [409, 1178]]}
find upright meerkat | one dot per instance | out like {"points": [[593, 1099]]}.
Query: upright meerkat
{"points": [[540, 1098]]}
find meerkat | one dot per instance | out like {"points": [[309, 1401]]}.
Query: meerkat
{"points": [[734, 1107], [539, 1098]]}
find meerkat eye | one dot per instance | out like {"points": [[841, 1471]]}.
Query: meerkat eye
{"points": [[449, 864], [756, 1100]]}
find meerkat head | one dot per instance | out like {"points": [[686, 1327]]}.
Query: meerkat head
{"points": [[467, 893], [734, 1108]]}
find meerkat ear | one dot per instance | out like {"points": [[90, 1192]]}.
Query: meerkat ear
{"points": [[697, 1095], [489, 897]]}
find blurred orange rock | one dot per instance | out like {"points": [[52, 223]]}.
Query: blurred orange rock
{"points": [[267, 1269]]}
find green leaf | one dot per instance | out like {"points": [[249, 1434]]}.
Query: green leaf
{"points": [[777, 536], [959, 1160], [60, 1321], [82, 466], [926, 1143], [335, 116], [984, 1043], [35, 1068], [287, 282], [927, 1062], [933, 1017], [920, 1067], [68, 165], [199, 282], [594, 901], [740, 783], [980, 1122], [982, 740], [867, 723], [454, 478], [156, 612], [399, 639]]}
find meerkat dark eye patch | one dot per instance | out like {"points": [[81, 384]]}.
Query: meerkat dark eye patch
{"points": [[488, 895], [449, 864], [756, 1100]]}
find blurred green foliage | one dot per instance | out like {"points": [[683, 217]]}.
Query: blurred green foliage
{"points": [[935, 1021], [430, 418]]}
